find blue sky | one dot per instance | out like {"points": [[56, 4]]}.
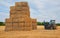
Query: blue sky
{"points": [[39, 9]]}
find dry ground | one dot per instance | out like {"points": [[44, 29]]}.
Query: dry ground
{"points": [[39, 33]]}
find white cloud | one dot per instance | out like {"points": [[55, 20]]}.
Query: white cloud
{"points": [[3, 16], [47, 9], [24, 0], [33, 13]]}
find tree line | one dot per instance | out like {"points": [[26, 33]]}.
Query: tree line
{"points": [[2, 23], [38, 23]]}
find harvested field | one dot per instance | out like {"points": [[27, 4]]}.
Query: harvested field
{"points": [[39, 33]]}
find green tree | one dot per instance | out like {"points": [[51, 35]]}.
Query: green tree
{"points": [[2, 23]]}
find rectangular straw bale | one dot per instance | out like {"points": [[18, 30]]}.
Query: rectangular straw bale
{"points": [[28, 25], [14, 16], [19, 8], [8, 20], [34, 26], [12, 8], [22, 28], [28, 28], [13, 12], [8, 27], [17, 4], [34, 20], [15, 20], [21, 24], [25, 8], [15, 26], [8, 24], [28, 20], [21, 20], [21, 4]]}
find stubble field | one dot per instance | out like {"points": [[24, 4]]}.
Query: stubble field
{"points": [[39, 33]]}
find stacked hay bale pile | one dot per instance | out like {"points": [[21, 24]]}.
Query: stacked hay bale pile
{"points": [[34, 24], [20, 18]]}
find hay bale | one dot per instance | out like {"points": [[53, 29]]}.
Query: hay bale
{"points": [[12, 12], [21, 4], [15, 26], [8, 27], [8, 20], [28, 25], [21, 24], [34, 26], [12, 8], [28, 28], [15, 20]]}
